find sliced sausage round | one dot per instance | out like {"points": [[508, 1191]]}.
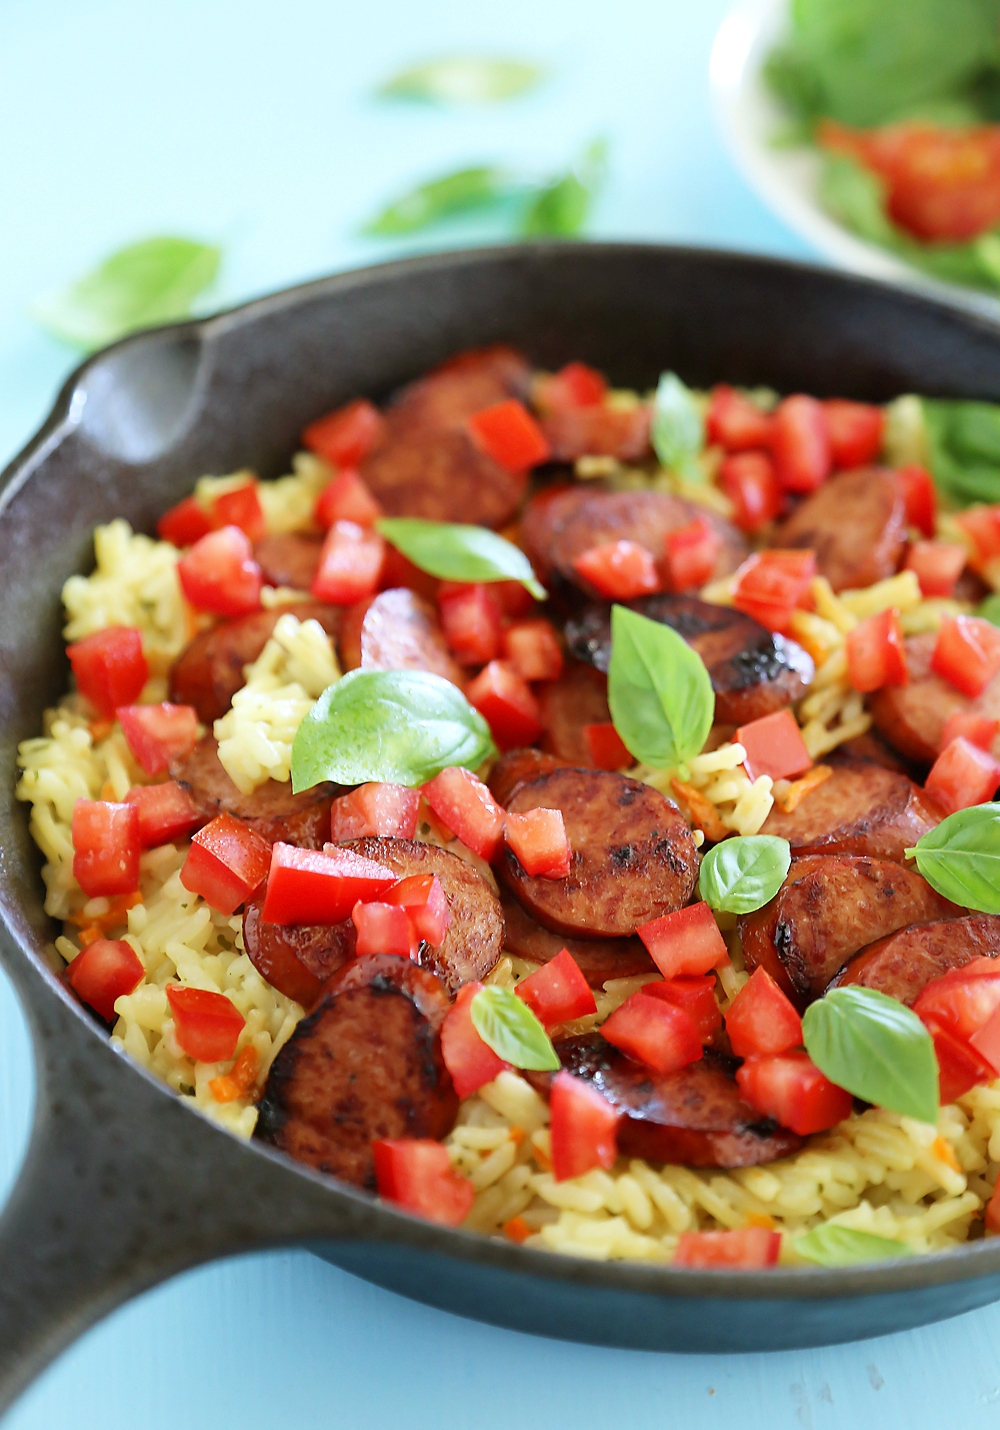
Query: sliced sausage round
{"points": [[396, 630], [902, 965], [912, 717], [565, 706], [289, 559], [271, 809], [632, 855], [297, 959], [515, 768], [855, 523], [445, 398], [599, 431], [598, 959], [365, 1064]]}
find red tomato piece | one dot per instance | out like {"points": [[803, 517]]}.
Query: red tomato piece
{"points": [[227, 861], [854, 430], [584, 1128], [963, 774], [110, 667], [472, 622], [960, 1067], [306, 887], [736, 423], [654, 1032], [620, 570], [185, 523], [219, 574], [515, 601], [981, 525], [506, 704], [977, 729], [686, 942], [761, 1019], [790, 1088], [691, 553], [557, 992], [751, 484], [471, 1062], [350, 564], [509, 434], [464, 804], [105, 847], [800, 444], [157, 734], [346, 436], [920, 496], [539, 842], [961, 1000], [346, 498], [397, 571], [750, 1246], [384, 928], [876, 653], [380, 808], [207, 1025], [416, 1173], [771, 584], [967, 653], [986, 1041], [695, 996], [774, 746], [937, 564], [166, 812], [107, 969], [532, 648], [424, 899], [575, 385], [240, 507], [606, 747]]}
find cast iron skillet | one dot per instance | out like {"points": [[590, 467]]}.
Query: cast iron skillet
{"points": [[122, 1185]]}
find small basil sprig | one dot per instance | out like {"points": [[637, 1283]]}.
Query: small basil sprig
{"points": [[989, 608], [659, 691], [960, 858], [404, 726], [510, 1028], [463, 79], [875, 1048], [461, 192], [561, 207], [677, 430], [834, 1245], [460, 553], [743, 874]]}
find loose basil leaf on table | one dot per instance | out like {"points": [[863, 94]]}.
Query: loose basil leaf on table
{"points": [[876, 1048], [560, 208], [461, 192], [463, 79], [510, 1028], [833, 1245], [743, 874], [403, 726], [960, 858], [659, 691], [677, 430], [460, 553]]}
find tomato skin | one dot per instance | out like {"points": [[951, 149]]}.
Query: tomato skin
{"points": [[185, 523], [345, 436], [854, 430], [218, 574], [981, 525], [761, 1019], [557, 992], [105, 847], [573, 386], [384, 928], [227, 860], [967, 653], [962, 775], [654, 1032], [751, 483], [471, 1062], [110, 667], [920, 496], [398, 570], [472, 622], [771, 584], [506, 704], [691, 554], [774, 746], [876, 653], [539, 842], [346, 498], [166, 812], [350, 564], [424, 899], [306, 887], [790, 1088], [960, 1066], [800, 444], [107, 969], [584, 1127], [416, 1173], [532, 648], [241, 507], [464, 804], [685, 942], [977, 729], [937, 565], [694, 995], [606, 747], [515, 602], [379, 808], [750, 1246], [207, 1025], [736, 423], [962, 1000], [507, 432], [158, 734], [620, 570]]}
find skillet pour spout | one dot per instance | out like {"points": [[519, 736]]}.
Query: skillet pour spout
{"points": [[123, 1185]]}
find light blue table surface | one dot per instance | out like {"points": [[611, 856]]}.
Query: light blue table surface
{"points": [[252, 124]]}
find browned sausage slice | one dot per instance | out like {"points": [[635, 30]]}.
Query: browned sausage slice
{"points": [[297, 959], [209, 670], [753, 671], [289, 559], [472, 944], [515, 768], [903, 964], [396, 630], [365, 1064], [578, 698], [600, 431], [912, 717], [632, 855], [272, 809], [860, 809], [829, 907], [855, 523], [599, 959], [446, 397]]}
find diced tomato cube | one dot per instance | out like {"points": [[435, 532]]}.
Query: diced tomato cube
{"points": [[981, 525], [771, 584], [306, 887], [695, 996], [240, 507], [207, 1025], [751, 484], [686, 942], [346, 436], [107, 969], [386, 810], [539, 842], [963, 775], [346, 498], [398, 570], [424, 899], [986, 1040], [750, 1246], [472, 622], [515, 601], [557, 992], [416, 1173], [185, 523], [691, 554], [575, 385], [977, 729], [967, 653], [471, 1062], [350, 564], [110, 667], [620, 570], [509, 434], [937, 565], [654, 1032], [920, 496], [105, 847], [961, 1000], [736, 423], [790, 1088], [219, 574], [227, 861], [960, 1067], [800, 444], [507, 705], [761, 1019], [854, 430], [606, 747], [158, 734], [532, 648], [384, 928], [166, 812], [464, 804], [774, 746], [876, 653], [584, 1128]]}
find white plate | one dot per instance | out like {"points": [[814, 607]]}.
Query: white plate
{"points": [[787, 179]]}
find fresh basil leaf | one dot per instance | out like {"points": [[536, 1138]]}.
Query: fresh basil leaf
{"points": [[989, 609], [560, 209], [659, 691], [404, 726], [743, 874], [876, 1048], [510, 1028], [427, 204], [460, 553], [677, 430], [960, 858], [834, 1245], [150, 282], [963, 445], [463, 79]]}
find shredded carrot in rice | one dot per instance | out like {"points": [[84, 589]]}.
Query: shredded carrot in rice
{"points": [[240, 1080], [798, 789], [701, 812], [100, 730]]}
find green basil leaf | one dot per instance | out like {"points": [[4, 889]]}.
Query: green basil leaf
{"points": [[457, 193], [404, 726], [561, 208], [990, 609], [154, 281], [660, 695], [508, 1026], [460, 553], [834, 1245], [960, 858], [876, 1048], [677, 430], [463, 79], [743, 874]]}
